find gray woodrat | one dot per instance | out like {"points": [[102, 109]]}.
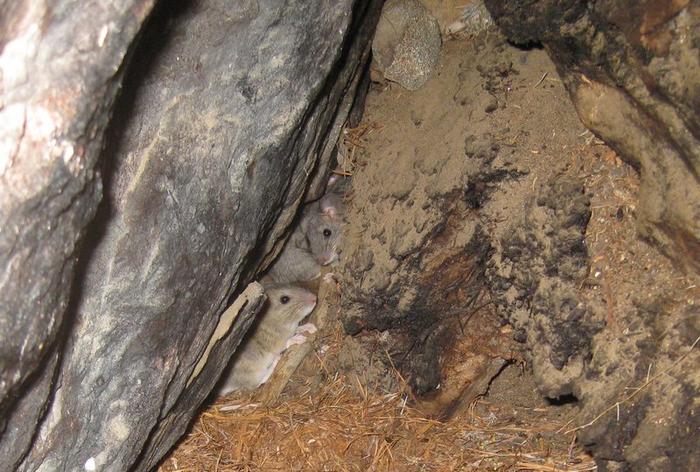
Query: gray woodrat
{"points": [[295, 263], [323, 228], [314, 243], [275, 329]]}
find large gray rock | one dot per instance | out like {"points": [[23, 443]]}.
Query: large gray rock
{"points": [[226, 124], [60, 69]]}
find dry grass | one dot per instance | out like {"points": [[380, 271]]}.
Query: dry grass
{"points": [[343, 427]]}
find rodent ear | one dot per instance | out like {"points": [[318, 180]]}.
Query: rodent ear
{"points": [[328, 208], [331, 212]]}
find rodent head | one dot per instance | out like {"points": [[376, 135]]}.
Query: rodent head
{"points": [[290, 303], [325, 229]]}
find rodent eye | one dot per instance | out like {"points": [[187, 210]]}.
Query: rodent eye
{"points": [[327, 233], [284, 299]]}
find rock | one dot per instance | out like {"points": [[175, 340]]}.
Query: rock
{"points": [[358, 105], [60, 70], [226, 123], [633, 72], [227, 335], [406, 47]]}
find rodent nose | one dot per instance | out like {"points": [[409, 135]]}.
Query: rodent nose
{"points": [[327, 258]]}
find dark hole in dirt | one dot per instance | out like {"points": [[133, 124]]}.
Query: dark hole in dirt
{"points": [[526, 46], [563, 400]]}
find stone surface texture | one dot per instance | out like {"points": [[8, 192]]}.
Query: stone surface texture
{"points": [[226, 122], [406, 47], [61, 65]]}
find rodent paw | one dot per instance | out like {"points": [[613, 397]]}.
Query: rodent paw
{"points": [[329, 277], [309, 328], [296, 340]]}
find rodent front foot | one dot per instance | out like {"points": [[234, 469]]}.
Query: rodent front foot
{"points": [[329, 277], [309, 328], [296, 340]]}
